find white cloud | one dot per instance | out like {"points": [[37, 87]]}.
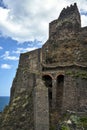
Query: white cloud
{"points": [[1, 47], [84, 20], [28, 20], [22, 50], [6, 66], [7, 56]]}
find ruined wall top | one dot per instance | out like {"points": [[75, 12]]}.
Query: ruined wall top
{"points": [[67, 43], [68, 11], [69, 19]]}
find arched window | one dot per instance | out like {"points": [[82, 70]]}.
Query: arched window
{"points": [[59, 93], [48, 83]]}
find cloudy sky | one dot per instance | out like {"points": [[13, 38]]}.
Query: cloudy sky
{"points": [[24, 27]]}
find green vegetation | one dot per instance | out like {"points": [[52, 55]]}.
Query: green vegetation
{"points": [[69, 72], [83, 122], [81, 74], [65, 127], [73, 121], [78, 74]]}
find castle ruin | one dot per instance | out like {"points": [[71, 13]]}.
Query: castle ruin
{"points": [[54, 77]]}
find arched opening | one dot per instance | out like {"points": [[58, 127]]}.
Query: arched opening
{"points": [[59, 94], [48, 82]]}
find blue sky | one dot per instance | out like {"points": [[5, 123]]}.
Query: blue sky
{"points": [[9, 57], [24, 27]]}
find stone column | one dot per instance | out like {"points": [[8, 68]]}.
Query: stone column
{"points": [[41, 107], [54, 85]]}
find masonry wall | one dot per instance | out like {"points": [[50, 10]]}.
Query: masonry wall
{"points": [[52, 27], [21, 109], [75, 94], [29, 65], [41, 106]]}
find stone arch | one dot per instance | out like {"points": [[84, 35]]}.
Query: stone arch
{"points": [[47, 74], [48, 83], [59, 91]]}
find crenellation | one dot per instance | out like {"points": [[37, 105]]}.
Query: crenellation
{"points": [[68, 11], [68, 23]]}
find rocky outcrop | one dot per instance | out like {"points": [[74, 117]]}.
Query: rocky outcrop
{"points": [[72, 121], [19, 114]]}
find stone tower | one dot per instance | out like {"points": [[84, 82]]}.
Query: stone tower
{"points": [[52, 79]]}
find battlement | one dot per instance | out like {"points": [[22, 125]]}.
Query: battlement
{"points": [[68, 11], [69, 19]]}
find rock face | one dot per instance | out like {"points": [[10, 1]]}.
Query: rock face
{"points": [[51, 80]]}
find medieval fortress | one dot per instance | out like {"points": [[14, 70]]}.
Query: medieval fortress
{"points": [[54, 77]]}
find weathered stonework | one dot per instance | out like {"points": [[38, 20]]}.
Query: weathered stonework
{"points": [[41, 106], [51, 80]]}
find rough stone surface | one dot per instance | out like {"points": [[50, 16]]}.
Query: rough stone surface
{"points": [[60, 67], [41, 106]]}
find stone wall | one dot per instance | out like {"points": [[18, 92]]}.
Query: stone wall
{"points": [[20, 113], [41, 106], [29, 65], [75, 93], [67, 43], [52, 27], [69, 21]]}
